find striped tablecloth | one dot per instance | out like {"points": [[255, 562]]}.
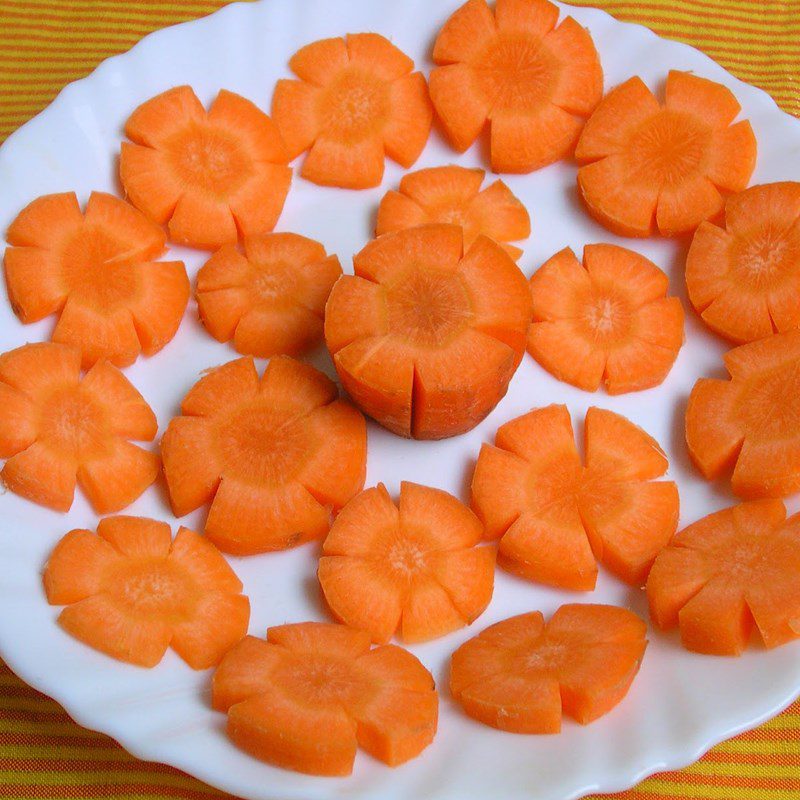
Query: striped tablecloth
{"points": [[44, 44]]}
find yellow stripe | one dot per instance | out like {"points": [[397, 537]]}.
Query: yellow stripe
{"points": [[716, 792]]}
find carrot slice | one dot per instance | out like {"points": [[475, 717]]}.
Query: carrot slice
{"points": [[356, 102], [729, 572], [130, 591], [425, 339], [271, 300], [744, 279], [650, 167], [205, 174], [57, 430], [95, 271], [608, 321], [748, 422], [531, 82], [556, 519], [273, 457], [413, 567], [522, 675], [453, 195], [313, 693]]}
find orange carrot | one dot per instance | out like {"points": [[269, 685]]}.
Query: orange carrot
{"points": [[744, 279], [731, 571], [356, 101], [556, 518], [96, 271], [271, 299], [273, 456], [453, 194], [426, 338], [607, 321], [533, 83], [522, 674], [313, 692], [412, 567], [131, 592], [210, 176], [58, 429], [649, 167], [749, 423]]}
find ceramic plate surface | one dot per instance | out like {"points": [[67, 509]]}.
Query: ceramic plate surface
{"points": [[679, 706]]}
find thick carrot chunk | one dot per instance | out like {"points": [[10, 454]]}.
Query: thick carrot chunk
{"points": [[522, 674], [314, 692], [744, 279], [531, 82], [453, 194], [750, 422], [414, 567], [271, 298], [606, 321], [356, 102], [96, 272], [649, 167], [426, 338], [555, 518], [273, 456], [130, 592], [209, 176], [58, 429], [731, 571]]}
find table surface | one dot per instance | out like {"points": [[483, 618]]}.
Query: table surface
{"points": [[45, 44]]}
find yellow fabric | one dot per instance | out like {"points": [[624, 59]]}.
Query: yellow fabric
{"points": [[44, 44]]}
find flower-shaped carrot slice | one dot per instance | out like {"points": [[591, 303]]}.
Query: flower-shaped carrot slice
{"points": [[58, 429], [750, 422], [96, 270], [651, 167], [726, 574], [608, 320], [312, 693], [453, 194], [532, 82], [131, 592], [556, 518], [356, 102], [744, 279], [210, 175], [271, 299], [412, 567], [522, 674], [273, 456], [426, 338]]}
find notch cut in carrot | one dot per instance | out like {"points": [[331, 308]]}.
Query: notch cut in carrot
{"points": [[533, 82], [728, 574], [413, 568], [749, 423], [131, 592], [606, 321], [273, 456], [522, 674], [271, 298], [426, 338], [649, 167], [453, 194], [210, 176], [96, 271], [58, 429], [556, 518], [312, 693], [357, 101], [744, 278]]}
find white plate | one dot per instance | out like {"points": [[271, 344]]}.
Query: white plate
{"points": [[680, 704]]}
